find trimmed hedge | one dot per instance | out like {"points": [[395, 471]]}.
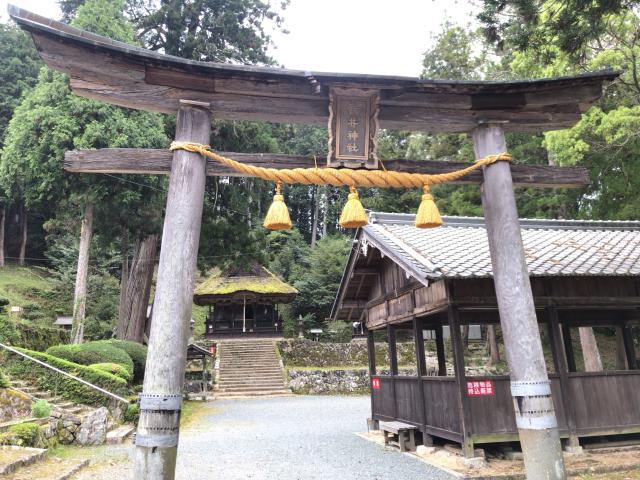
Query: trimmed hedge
{"points": [[64, 386], [92, 352], [138, 354], [36, 336], [114, 369]]}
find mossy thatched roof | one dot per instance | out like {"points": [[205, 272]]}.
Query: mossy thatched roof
{"points": [[255, 283]]}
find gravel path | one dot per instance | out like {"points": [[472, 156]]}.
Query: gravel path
{"points": [[283, 438], [291, 438]]}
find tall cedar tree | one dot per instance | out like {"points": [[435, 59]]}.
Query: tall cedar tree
{"points": [[51, 120]]}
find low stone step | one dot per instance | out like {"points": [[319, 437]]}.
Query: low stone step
{"points": [[248, 358], [249, 372], [120, 434], [250, 389], [12, 458], [233, 374], [49, 469], [256, 393], [249, 366], [224, 386]]}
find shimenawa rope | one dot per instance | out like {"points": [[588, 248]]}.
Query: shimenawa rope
{"points": [[353, 215]]}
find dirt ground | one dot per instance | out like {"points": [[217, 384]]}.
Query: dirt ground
{"points": [[621, 464]]}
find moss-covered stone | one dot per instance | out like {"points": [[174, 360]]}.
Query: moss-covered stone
{"points": [[307, 353]]}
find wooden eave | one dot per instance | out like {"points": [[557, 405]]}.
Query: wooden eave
{"points": [[238, 298], [120, 74]]}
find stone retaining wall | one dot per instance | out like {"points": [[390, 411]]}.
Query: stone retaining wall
{"points": [[13, 404], [307, 353], [333, 382]]}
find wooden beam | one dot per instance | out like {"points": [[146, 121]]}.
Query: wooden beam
{"points": [[156, 161]]}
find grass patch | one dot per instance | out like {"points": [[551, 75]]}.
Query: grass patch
{"points": [[193, 411], [17, 283]]}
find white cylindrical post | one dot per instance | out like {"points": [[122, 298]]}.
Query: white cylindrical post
{"points": [[161, 398], [530, 387]]}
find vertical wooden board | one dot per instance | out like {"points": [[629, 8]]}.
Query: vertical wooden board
{"points": [[492, 414], [604, 401], [385, 400], [409, 401], [440, 397]]}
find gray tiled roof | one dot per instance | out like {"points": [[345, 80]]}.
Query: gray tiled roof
{"points": [[459, 248]]}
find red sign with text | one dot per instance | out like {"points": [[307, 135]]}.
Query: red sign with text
{"points": [[480, 388], [375, 383]]}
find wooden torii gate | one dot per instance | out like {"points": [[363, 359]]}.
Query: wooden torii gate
{"points": [[116, 73]]}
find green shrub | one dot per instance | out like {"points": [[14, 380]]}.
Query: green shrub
{"points": [[4, 301], [8, 332], [39, 337], [92, 352], [138, 354], [41, 409], [64, 386], [115, 369], [337, 332], [26, 434], [4, 383], [131, 414]]}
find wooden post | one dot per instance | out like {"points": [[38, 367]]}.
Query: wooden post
{"points": [[393, 365], [244, 313], [461, 380], [560, 363], [630, 350], [568, 348], [421, 365], [160, 401], [530, 387], [442, 359], [371, 353]]}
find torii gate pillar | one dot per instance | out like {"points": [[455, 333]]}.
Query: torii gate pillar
{"points": [[161, 398], [530, 387]]}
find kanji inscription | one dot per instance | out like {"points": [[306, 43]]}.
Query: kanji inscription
{"points": [[480, 388], [352, 128]]}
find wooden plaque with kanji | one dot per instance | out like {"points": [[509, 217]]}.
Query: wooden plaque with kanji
{"points": [[353, 125]]}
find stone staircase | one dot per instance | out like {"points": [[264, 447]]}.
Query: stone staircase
{"points": [[60, 404], [115, 434], [249, 368]]}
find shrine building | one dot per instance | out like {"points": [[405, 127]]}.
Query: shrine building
{"points": [[243, 302], [404, 282]]}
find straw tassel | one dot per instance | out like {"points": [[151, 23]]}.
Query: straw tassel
{"points": [[353, 214], [428, 215], [278, 215]]}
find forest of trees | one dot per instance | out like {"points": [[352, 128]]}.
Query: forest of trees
{"points": [[99, 234]]}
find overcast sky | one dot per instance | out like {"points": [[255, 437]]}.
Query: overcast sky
{"points": [[354, 36]]}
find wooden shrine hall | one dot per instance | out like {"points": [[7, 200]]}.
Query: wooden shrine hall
{"points": [[243, 302], [583, 273], [353, 107]]}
